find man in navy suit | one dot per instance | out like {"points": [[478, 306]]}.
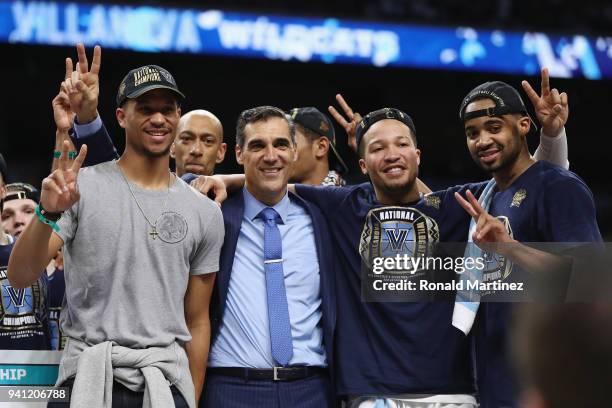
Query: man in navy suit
{"points": [[246, 368]]}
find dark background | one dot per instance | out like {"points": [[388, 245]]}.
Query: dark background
{"points": [[31, 76]]}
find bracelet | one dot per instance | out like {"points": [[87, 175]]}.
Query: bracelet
{"points": [[49, 215], [42, 216], [57, 154]]}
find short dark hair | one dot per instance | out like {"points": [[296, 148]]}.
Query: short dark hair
{"points": [[261, 113]]}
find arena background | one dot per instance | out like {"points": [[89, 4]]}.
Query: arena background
{"points": [[31, 75]]}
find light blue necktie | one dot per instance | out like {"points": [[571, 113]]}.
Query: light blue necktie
{"points": [[278, 310]]}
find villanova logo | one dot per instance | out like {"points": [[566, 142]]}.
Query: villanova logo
{"points": [[391, 231], [21, 308], [397, 236], [17, 296]]}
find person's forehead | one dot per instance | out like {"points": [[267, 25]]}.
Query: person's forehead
{"points": [[157, 96], [19, 203], [271, 128], [199, 125]]}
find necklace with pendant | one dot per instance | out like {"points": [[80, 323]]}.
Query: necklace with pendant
{"points": [[153, 233]]}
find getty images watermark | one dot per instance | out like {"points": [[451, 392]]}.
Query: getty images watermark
{"points": [[552, 272], [435, 273]]}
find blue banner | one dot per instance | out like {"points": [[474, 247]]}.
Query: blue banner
{"points": [[29, 367], [22, 374], [327, 40]]}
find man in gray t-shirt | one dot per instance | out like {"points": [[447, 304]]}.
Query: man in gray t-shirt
{"points": [[141, 252], [124, 287]]}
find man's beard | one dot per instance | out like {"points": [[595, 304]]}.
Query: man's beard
{"points": [[399, 189]]}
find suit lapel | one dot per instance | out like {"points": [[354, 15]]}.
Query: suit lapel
{"points": [[233, 211]]}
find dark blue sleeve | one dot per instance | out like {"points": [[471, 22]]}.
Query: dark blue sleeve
{"points": [[100, 147], [475, 188], [327, 198], [189, 177], [566, 212], [455, 219], [449, 202]]}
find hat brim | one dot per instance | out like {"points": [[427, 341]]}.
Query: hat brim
{"points": [[336, 157], [146, 89]]}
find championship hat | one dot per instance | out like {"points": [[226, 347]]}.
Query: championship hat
{"points": [[144, 79], [506, 98]]}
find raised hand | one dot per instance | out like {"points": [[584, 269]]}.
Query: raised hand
{"points": [[350, 126], [83, 84], [59, 189], [490, 231], [62, 111], [551, 107]]}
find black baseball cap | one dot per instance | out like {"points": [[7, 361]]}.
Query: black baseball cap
{"points": [[144, 79], [21, 191], [313, 119], [381, 114], [506, 98]]}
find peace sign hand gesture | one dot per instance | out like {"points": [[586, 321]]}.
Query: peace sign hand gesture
{"points": [[59, 189], [490, 231], [551, 107], [83, 84], [349, 126], [62, 111]]}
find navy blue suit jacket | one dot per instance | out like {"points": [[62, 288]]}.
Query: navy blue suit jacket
{"points": [[233, 211]]}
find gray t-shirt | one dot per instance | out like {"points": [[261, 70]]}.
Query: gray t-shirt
{"points": [[121, 284]]}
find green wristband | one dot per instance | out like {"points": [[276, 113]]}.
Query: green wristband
{"points": [[57, 154], [47, 221]]}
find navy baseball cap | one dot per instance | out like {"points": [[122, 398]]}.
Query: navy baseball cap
{"points": [[381, 114], [144, 79], [506, 98], [314, 120]]}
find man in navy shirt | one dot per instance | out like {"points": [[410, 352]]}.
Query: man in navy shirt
{"points": [[529, 202], [393, 350]]}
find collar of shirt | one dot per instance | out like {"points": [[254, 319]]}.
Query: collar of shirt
{"points": [[252, 206]]}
